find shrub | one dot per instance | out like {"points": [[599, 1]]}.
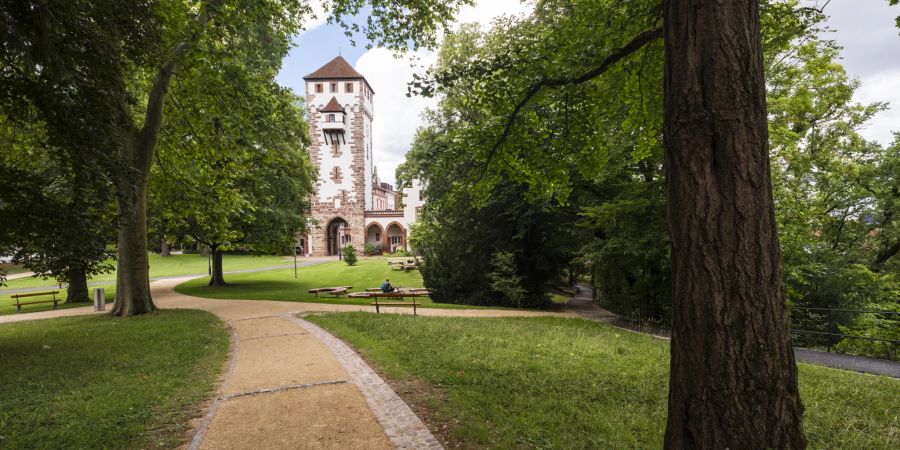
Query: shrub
{"points": [[349, 255], [369, 249], [873, 326], [504, 278]]}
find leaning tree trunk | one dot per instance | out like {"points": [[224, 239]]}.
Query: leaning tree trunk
{"points": [[133, 176], [733, 381], [216, 277], [77, 291]]}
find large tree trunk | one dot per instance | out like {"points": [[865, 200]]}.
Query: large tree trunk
{"points": [[733, 381], [133, 276], [164, 248], [216, 277], [77, 290]]}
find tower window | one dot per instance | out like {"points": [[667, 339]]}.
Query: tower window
{"points": [[329, 118], [319, 88], [348, 87], [333, 87]]}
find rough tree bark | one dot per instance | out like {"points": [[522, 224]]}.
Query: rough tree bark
{"points": [[217, 277], [133, 276], [733, 381], [77, 291], [164, 249]]}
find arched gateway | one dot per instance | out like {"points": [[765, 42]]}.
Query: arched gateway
{"points": [[337, 235]]}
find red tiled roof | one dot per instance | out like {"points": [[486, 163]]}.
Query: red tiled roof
{"points": [[333, 106], [337, 68]]}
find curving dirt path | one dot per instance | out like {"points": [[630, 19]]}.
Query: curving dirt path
{"points": [[290, 384]]}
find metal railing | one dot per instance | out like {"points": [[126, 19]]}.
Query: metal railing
{"points": [[831, 325]]}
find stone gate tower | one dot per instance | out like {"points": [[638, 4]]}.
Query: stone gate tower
{"points": [[339, 112]]}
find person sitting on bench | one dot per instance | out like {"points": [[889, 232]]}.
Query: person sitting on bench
{"points": [[386, 287]]}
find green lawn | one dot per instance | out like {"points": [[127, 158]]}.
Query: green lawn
{"points": [[171, 266], [570, 383], [8, 305], [281, 284], [103, 382], [159, 267]]}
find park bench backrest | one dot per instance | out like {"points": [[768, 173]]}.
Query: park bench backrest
{"points": [[35, 294]]}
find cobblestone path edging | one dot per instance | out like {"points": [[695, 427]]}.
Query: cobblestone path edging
{"points": [[402, 426]]}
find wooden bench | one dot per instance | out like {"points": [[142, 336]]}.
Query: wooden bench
{"points": [[338, 292], [20, 303], [379, 304], [329, 289]]}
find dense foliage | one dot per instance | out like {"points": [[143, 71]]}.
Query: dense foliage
{"points": [[589, 155], [105, 70]]}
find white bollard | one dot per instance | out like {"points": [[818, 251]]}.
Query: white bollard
{"points": [[99, 299]]}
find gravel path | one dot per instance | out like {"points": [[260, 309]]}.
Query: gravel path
{"points": [[583, 305]]}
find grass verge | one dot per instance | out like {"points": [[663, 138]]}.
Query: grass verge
{"points": [[570, 383], [11, 269], [104, 382], [170, 266], [8, 305], [281, 284]]}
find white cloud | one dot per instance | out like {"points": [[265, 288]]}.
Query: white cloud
{"points": [[320, 16], [485, 11], [882, 86], [397, 117]]}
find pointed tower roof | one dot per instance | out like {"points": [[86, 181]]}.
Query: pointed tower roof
{"points": [[333, 106], [337, 69]]}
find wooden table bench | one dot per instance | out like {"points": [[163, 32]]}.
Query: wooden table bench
{"points": [[337, 292], [379, 304], [19, 303], [329, 289]]}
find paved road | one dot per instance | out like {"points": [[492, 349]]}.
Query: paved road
{"points": [[582, 305], [300, 263]]}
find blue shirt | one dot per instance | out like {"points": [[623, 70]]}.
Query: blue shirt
{"points": [[386, 287]]}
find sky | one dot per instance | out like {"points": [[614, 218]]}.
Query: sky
{"points": [[864, 28], [396, 116]]}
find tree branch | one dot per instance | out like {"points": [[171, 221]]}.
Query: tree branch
{"points": [[553, 83]]}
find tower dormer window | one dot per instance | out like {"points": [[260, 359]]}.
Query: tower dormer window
{"points": [[329, 118], [333, 87]]}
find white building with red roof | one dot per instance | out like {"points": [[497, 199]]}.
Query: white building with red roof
{"points": [[348, 205]]}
